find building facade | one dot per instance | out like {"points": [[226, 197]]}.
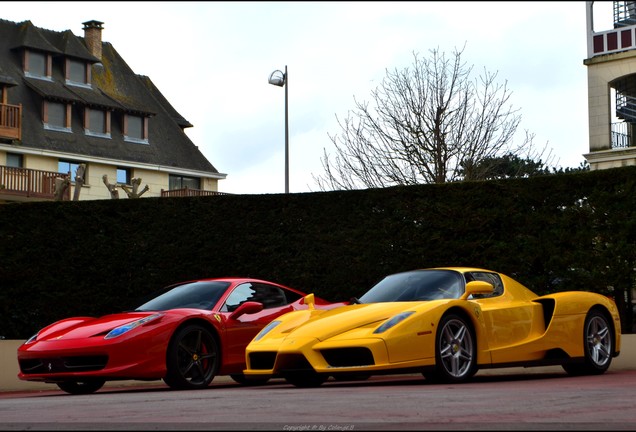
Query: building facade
{"points": [[611, 72], [77, 123]]}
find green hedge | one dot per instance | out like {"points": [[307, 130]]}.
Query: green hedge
{"points": [[553, 233]]}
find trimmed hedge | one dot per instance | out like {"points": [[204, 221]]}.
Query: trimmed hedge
{"points": [[552, 233]]}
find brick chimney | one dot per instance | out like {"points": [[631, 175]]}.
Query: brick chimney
{"points": [[93, 37]]}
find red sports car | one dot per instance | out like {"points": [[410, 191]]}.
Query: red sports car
{"points": [[186, 336]]}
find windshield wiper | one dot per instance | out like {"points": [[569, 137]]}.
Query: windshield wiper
{"points": [[354, 300]]}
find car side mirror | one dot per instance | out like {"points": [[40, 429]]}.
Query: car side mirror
{"points": [[248, 307], [310, 301], [477, 287]]}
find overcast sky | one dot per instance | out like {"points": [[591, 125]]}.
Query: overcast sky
{"points": [[212, 60]]}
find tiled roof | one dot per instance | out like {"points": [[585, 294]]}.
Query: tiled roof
{"points": [[29, 36], [6, 79], [115, 87], [72, 47], [51, 90]]}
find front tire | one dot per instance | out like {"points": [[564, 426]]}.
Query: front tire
{"points": [[598, 344], [455, 351], [81, 387], [192, 359]]}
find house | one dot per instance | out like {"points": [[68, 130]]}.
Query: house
{"points": [[611, 76], [76, 120]]}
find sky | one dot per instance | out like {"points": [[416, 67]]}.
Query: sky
{"points": [[212, 60]]}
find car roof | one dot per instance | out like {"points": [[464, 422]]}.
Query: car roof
{"points": [[462, 269]]}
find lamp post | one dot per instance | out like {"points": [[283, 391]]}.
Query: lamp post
{"points": [[281, 79]]}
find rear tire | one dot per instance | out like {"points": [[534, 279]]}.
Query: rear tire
{"points": [[455, 351], [598, 344], [81, 387]]}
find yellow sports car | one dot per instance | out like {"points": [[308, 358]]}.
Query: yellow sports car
{"points": [[445, 323]]}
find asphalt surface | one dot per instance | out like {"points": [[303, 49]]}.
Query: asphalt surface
{"points": [[537, 398], [10, 383], [530, 401]]}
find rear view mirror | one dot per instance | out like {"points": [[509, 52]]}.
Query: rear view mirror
{"points": [[477, 287], [248, 307]]}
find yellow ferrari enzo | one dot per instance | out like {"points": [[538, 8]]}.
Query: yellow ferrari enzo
{"points": [[443, 322]]}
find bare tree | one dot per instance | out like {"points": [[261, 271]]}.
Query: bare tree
{"points": [[79, 181], [134, 193], [112, 188], [60, 186], [428, 124]]}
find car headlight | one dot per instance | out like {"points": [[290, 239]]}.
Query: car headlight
{"points": [[118, 331], [393, 321], [266, 330]]}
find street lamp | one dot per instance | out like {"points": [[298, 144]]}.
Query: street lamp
{"points": [[281, 79]]}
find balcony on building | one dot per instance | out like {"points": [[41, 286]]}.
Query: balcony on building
{"points": [[24, 184], [10, 122]]}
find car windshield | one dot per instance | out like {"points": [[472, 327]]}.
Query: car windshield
{"points": [[197, 295], [417, 285]]}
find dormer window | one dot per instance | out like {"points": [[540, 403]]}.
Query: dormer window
{"points": [[37, 64], [77, 72], [56, 116], [97, 122], [136, 129]]}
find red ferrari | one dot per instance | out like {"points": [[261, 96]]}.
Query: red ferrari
{"points": [[186, 335]]}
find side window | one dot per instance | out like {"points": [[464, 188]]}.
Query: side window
{"points": [[491, 278], [269, 295], [241, 294]]}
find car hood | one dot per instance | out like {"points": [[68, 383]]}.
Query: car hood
{"points": [[336, 321], [85, 327]]}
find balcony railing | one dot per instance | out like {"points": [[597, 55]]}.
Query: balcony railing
{"points": [[11, 121], [29, 183], [624, 13], [621, 136], [187, 192]]}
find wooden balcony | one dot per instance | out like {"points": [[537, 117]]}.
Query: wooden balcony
{"points": [[11, 121], [187, 192], [23, 184]]}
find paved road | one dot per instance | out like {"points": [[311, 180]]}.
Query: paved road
{"points": [[530, 401]]}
